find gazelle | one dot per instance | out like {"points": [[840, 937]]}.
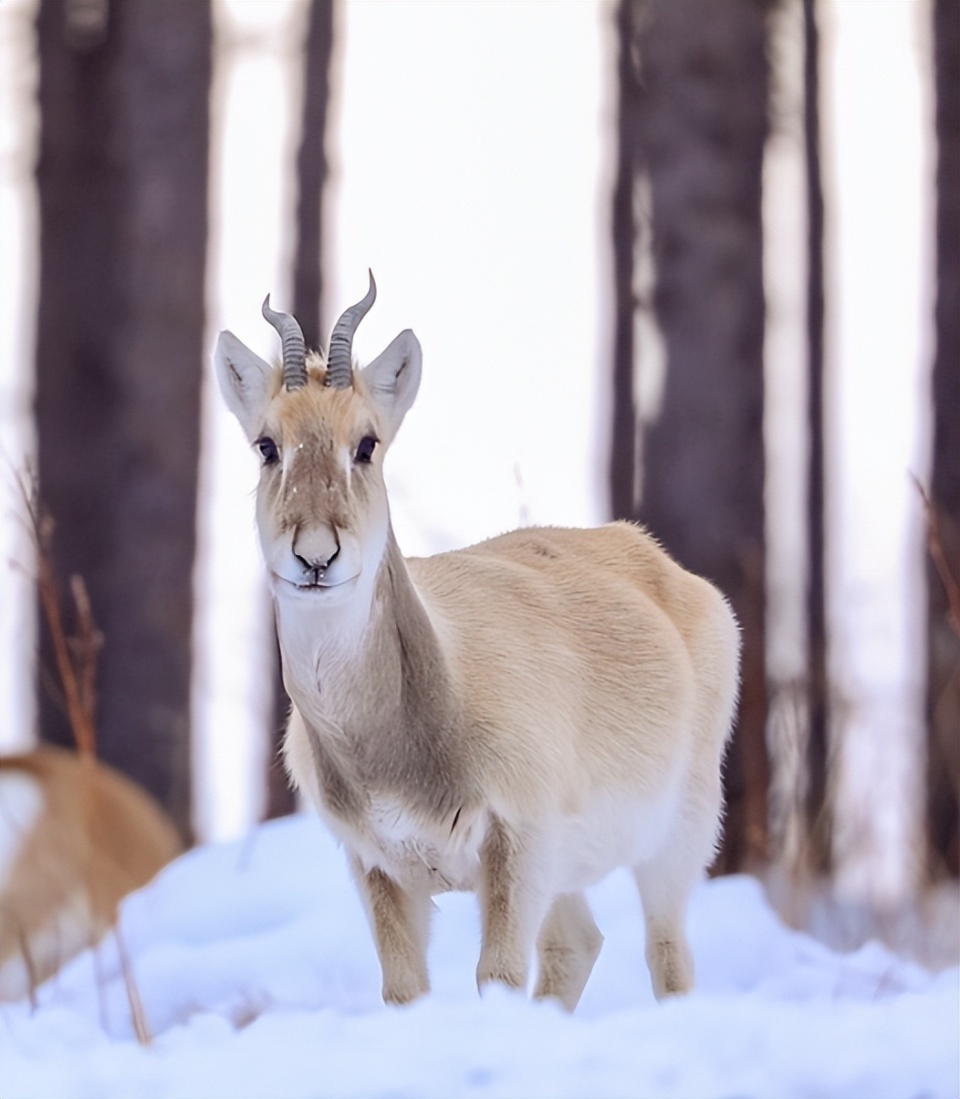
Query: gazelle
{"points": [[517, 718], [75, 837]]}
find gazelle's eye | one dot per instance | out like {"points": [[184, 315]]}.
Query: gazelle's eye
{"points": [[365, 449], [268, 450]]}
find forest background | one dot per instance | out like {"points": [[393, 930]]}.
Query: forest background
{"points": [[689, 263]]}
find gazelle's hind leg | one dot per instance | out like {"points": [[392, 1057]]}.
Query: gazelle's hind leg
{"points": [[664, 895], [568, 945], [667, 880]]}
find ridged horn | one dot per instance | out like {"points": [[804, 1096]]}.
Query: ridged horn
{"points": [[340, 359], [294, 346]]}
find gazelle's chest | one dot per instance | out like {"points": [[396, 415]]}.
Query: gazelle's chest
{"points": [[383, 828], [443, 855]]}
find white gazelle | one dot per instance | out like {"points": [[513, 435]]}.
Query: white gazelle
{"points": [[517, 718]]}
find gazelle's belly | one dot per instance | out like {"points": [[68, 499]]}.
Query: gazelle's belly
{"points": [[608, 833], [575, 850]]}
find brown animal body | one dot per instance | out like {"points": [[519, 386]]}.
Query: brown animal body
{"points": [[75, 836], [517, 718]]}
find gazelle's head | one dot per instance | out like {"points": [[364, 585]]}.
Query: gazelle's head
{"points": [[320, 429]]}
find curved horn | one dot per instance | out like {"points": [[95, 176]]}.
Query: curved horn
{"points": [[294, 346], [340, 359]]}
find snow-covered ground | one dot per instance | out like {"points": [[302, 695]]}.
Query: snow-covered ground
{"points": [[258, 978]]}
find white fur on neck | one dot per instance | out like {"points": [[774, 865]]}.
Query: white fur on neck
{"points": [[320, 635]]}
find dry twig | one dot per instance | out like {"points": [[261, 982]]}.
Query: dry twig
{"points": [[938, 556], [137, 1013], [76, 657]]}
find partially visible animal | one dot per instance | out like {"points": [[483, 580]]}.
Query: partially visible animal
{"points": [[75, 837], [518, 718]]}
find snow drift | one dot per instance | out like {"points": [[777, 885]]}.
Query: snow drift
{"points": [[259, 978]]}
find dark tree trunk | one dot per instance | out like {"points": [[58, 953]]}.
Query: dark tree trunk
{"points": [[818, 826], [281, 800], [312, 171], [624, 471], [307, 293], [122, 179], [943, 707], [702, 126]]}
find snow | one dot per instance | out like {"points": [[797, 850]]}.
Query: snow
{"points": [[259, 978]]}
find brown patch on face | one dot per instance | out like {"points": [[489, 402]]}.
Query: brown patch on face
{"points": [[317, 430]]}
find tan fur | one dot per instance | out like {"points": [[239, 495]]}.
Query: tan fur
{"points": [[517, 718], [95, 836]]}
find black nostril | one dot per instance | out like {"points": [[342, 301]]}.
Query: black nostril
{"points": [[317, 564]]}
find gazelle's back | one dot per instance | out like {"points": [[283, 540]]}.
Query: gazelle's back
{"points": [[588, 657], [589, 568]]}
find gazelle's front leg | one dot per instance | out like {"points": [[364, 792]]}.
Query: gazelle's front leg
{"points": [[513, 900], [400, 921]]}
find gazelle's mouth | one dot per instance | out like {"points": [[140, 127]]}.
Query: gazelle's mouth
{"points": [[317, 587]]}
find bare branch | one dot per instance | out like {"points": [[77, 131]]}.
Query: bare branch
{"points": [[75, 659], [935, 547]]}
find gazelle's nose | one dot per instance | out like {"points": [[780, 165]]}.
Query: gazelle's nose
{"points": [[316, 548]]}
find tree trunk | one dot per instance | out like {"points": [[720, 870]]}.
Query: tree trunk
{"points": [[312, 171], [817, 810], [702, 125], [307, 294], [623, 471], [122, 180], [943, 688]]}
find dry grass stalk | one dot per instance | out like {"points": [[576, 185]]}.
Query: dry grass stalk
{"points": [[137, 1013], [950, 583], [76, 657]]}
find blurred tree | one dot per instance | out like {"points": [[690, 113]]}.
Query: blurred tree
{"points": [[693, 124], [626, 227], [122, 173], [943, 706], [818, 817], [307, 291], [312, 171]]}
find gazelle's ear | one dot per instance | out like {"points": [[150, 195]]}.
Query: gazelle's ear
{"points": [[247, 382], [393, 379]]}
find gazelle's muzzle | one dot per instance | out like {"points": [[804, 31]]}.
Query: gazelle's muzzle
{"points": [[314, 558]]}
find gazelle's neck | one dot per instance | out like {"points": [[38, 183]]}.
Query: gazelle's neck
{"points": [[365, 660], [377, 702]]}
